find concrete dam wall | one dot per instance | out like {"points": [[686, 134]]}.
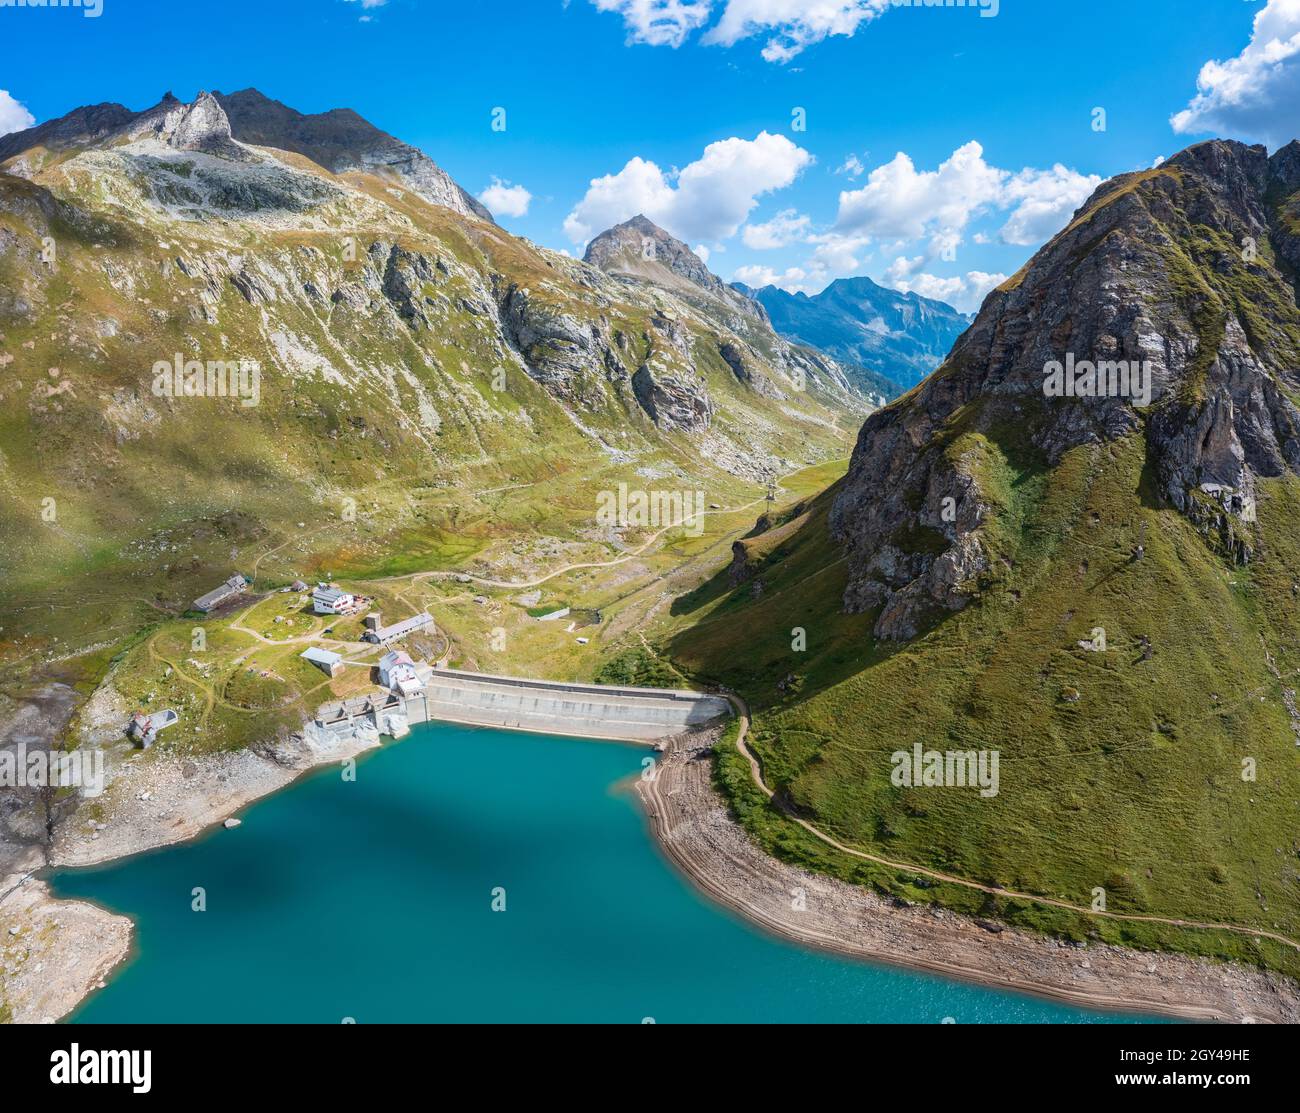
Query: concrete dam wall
{"points": [[547, 707], [585, 710]]}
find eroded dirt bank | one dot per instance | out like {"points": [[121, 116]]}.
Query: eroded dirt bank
{"points": [[697, 832]]}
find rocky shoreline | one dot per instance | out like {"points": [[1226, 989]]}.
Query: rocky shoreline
{"points": [[693, 825], [159, 801], [55, 953]]}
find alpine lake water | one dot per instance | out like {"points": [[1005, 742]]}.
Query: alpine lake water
{"points": [[372, 900]]}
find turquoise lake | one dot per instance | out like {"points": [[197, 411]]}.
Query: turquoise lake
{"points": [[372, 900]]}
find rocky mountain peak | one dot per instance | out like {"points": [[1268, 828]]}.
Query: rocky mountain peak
{"points": [[1169, 305], [341, 141], [639, 249], [1219, 159], [201, 126], [639, 246]]}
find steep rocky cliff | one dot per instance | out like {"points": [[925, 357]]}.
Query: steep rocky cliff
{"points": [[1185, 274], [1090, 575]]}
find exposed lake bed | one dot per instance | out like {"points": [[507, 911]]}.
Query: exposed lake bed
{"points": [[472, 875]]}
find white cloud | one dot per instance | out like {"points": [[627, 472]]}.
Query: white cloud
{"points": [[640, 187], [505, 199], [793, 25], [787, 227], [13, 115], [901, 202], [833, 257], [794, 279], [853, 167], [367, 5], [659, 22], [1257, 93], [979, 284], [923, 217], [707, 200], [964, 292], [838, 254], [1045, 200], [703, 252], [902, 269]]}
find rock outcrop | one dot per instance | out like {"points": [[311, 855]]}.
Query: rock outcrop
{"points": [[201, 126], [340, 140], [673, 399], [1170, 297], [559, 349]]}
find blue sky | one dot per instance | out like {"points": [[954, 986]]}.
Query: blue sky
{"points": [[942, 145]]}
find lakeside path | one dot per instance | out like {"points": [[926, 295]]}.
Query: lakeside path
{"points": [[756, 771], [697, 832]]}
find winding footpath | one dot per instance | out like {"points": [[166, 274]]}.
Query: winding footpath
{"points": [[517, 585], [698, 833], [756, 770]]}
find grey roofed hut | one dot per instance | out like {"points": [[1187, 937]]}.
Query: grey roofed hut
{"points": [[386, 635], [217, 596], [323, 659]]}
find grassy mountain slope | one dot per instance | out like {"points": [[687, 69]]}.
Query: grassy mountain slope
{"points": [[432, 389], [1163, 771]]}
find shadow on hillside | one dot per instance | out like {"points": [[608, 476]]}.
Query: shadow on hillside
{"points": [[786, 587], [792, 596]]}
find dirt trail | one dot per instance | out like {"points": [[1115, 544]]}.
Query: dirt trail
{"points": [[742, 710], [516, 585], [694, 826]]}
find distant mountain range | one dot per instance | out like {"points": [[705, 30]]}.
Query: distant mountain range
{"points": [[641, 254], [900, 337]]}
